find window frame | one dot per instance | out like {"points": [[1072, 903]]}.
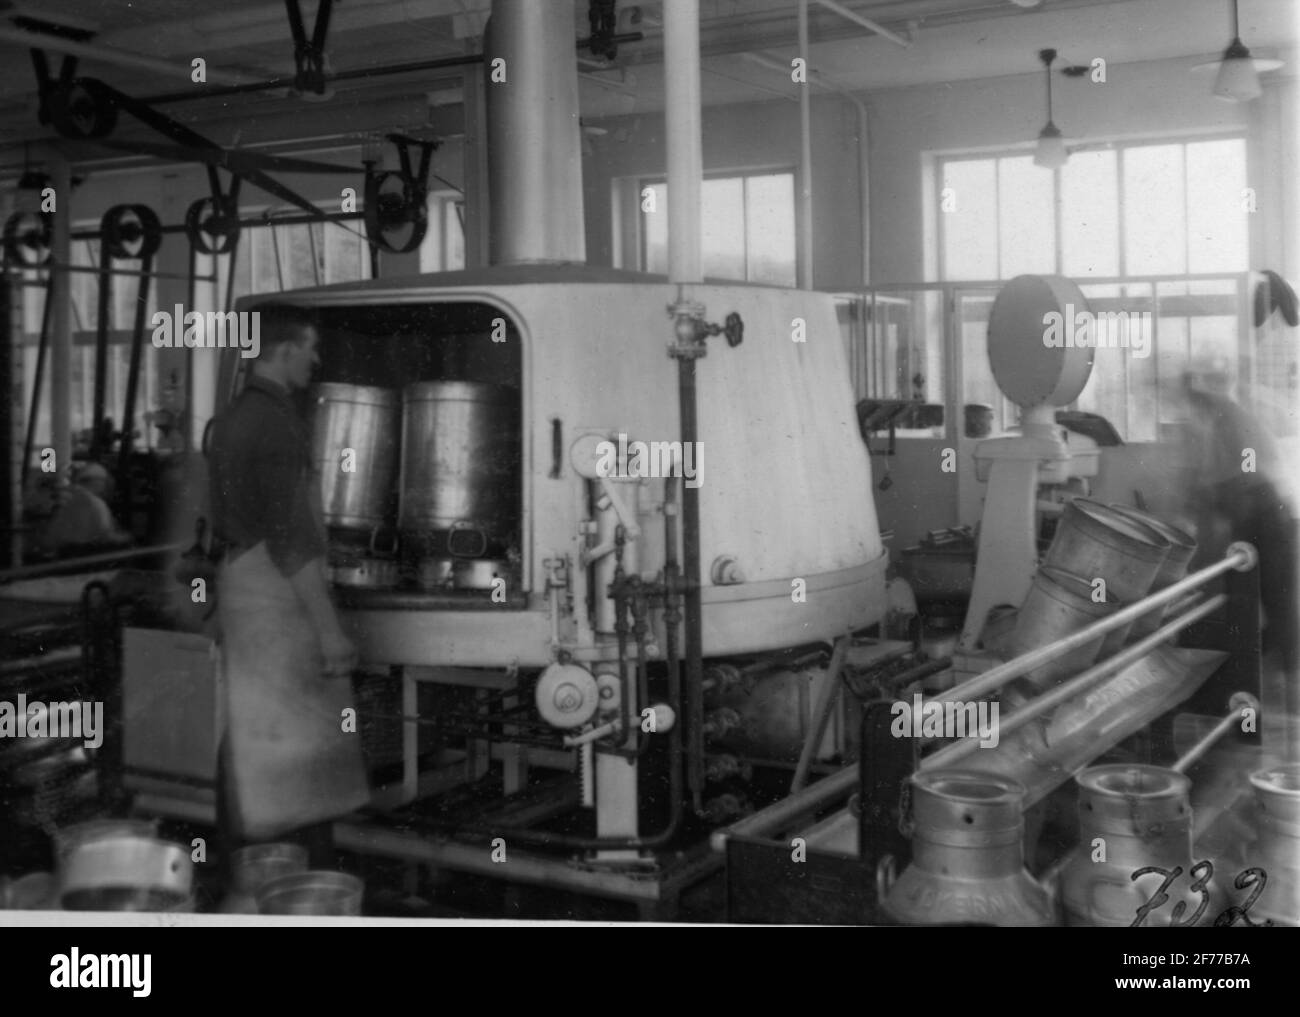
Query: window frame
{"points": [[644, 181], [942, 159]]}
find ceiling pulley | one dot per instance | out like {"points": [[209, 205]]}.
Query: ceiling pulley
{"points": [[131, 231], [397, 210], [27, 239]]}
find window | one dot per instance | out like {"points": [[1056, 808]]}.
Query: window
{"points": [[1124, 210], [274, 257], [747, 227], [1162, 211], [443, 247]]}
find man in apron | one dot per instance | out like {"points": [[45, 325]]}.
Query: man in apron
{"points": [[286, 763]]}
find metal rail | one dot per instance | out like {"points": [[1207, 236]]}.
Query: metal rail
{"points": [[74, 565], [950, 755], [1241, 556]]}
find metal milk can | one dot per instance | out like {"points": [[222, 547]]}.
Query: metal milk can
{"points": [[1277, 849], [1134, 817], [967, 861]]}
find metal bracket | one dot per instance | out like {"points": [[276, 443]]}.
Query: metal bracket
{"points": [[309, 54], [391, 210], [46, 85]]}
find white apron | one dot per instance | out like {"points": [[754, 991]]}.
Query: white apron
{"points": [[290, 763]]}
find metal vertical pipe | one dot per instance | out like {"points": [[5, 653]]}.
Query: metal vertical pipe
{"points": [[694, 642], [61, 315], [685, 143], [534, 139], [683, 118], [477, 210], [805, 158], [864, 186]]}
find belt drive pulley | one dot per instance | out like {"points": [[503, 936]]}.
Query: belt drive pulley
{"points": [[126, 231], [398, 200], [27, 237]]}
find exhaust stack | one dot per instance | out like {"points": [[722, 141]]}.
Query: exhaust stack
{"points": [[534, 138]]}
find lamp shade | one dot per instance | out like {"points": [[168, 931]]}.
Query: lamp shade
{"points": [[1051, 148], [1237, 81]]}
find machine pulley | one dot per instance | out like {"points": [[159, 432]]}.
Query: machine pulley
{"points": [[27, 238], [397, 211], [131, 231]]}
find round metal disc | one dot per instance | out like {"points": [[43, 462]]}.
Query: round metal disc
{"points": [[566, 695], [1031, 333]]}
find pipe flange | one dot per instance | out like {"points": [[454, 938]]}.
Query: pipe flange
{"points": [[1239, 701], [1252, 556]]}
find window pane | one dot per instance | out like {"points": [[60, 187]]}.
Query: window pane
{"points": [[769, 229], [1216, 227], [1027, 218], [431, 245], [746, 226], [970, 229], [1090, 215], [979, 386], [1155, 223], [345, 255], [722, 228], [654, 224], [454, 230]]}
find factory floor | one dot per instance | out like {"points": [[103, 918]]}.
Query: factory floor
{"points": [[394, 888]]}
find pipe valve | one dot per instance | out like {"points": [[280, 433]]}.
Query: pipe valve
{"points": [[690, 329]]}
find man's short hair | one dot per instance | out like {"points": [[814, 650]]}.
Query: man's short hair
{"points": [[282, 323]]}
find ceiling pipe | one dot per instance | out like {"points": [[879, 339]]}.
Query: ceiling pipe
{"points": [[118, 57], [858, 19]]}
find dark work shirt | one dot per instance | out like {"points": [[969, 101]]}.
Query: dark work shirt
{"points": [[260, 477]]}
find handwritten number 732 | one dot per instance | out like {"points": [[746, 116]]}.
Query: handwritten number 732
{"points": [[1201, 874]]}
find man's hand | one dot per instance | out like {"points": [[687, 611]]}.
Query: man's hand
{"points": [[339, 653], [313, 591]]}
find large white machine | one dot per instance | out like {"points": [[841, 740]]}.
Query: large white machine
{"points": [[629, 521]]}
